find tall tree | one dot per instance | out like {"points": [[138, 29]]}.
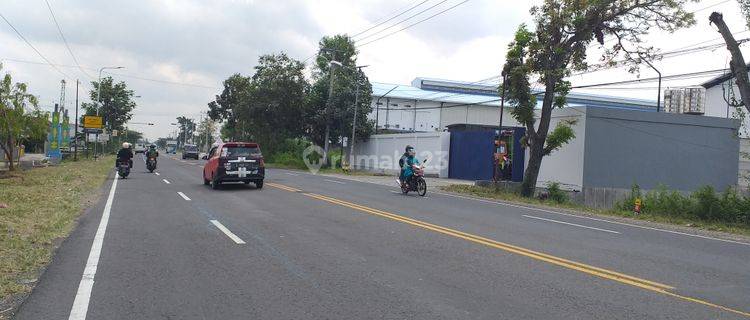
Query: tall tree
{"points": [[331, 104], [187, 128], [233, 99], [20, 117], [117, 103], [737, 64], [557, 46], [206, 133], [278, 91]]}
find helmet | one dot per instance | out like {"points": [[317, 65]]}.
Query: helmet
{"points": [[125, 145], [409, 148]]}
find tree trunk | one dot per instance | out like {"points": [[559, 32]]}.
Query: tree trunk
{"points": [[738, 66], [8, 153], [536, 151]]}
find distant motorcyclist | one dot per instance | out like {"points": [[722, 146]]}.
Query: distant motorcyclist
{"points": [[125, 154], [408, 159], [152, 152]]}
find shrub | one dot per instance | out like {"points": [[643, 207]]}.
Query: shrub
{"points": [[556, 194], [704, 204]]}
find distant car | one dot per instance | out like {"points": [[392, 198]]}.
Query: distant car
{"points": [[190, 151], [234, 162], [140, 148]]}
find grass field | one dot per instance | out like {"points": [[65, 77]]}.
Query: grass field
{"points": [[43, 205]]}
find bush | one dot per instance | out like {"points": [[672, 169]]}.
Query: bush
{"points": [[556, 194], [703, 204]]}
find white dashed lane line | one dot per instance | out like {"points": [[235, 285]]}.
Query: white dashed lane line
{"points": [[226, 231], [334, 181], [156, 173], [165, 181], [570, 224], [183, 196]]}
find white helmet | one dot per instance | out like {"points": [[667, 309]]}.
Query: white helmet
{"points": [[125, 145]]}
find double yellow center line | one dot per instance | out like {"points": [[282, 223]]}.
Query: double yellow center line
{"points": [[565, 263]]}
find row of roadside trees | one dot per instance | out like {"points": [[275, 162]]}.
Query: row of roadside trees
{"points": [[277, 103]]}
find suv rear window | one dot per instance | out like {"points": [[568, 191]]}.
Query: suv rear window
{"points": [[234, 152], [191, 148]]}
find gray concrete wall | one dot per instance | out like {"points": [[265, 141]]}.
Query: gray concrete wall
{"points": [[682, 152]]}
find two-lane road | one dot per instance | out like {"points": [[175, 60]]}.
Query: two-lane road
{"points": [[164, 246]]}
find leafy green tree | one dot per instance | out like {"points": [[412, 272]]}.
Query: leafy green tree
{"points": [[206, 133], [187, 128], [117, 103], [563, 30], [278, 91], [20, 117], [232, 100], [331, 105]]}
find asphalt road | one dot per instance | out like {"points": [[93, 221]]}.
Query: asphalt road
{"points": [[311, 247]]}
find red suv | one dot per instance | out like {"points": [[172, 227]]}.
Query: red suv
{"points": [[234, 162]]}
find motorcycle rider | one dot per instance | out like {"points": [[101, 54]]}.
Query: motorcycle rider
{"points": [[152, 152], [125, 154], [408, 159]]}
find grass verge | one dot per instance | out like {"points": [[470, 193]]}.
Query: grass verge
{"points": [[43, 205], [683, 221]]}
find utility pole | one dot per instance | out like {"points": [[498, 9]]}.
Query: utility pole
{"points": [[75, 134], [354, 120]]}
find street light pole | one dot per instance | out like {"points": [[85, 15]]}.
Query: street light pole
{"points": [[658, 94], [328, 112], [99, 99]]}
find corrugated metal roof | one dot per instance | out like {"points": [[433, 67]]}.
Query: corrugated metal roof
{"points": [[457, 97]]}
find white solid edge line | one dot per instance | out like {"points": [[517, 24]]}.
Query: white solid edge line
{"points": [[334, 181], [596, 219], [165, 181], [291, 174], [83, 295], [183, 196], [226, 231], [570, 224]]}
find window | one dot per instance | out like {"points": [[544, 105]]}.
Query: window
{"points": [[234, 152], [212, 153]]}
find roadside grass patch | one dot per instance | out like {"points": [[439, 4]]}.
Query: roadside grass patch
{"points": [[659, 206], [43, 204]]}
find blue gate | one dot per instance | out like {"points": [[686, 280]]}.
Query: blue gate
{"points": [[471, 155]]}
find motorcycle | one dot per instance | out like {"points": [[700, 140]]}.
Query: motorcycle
{"points": [[151, 164], [123, 168], [416, 182]]}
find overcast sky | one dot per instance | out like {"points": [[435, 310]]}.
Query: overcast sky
{"points": [[190, 46]]}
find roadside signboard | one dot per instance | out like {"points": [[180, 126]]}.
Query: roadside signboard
{"points": [[93, 122], [92, 130]]}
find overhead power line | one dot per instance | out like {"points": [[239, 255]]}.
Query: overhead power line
{"points": [[389, 19], [62, 35], [402, 20], [117, 74], [680, 76], [35, 49], [413, 24]]}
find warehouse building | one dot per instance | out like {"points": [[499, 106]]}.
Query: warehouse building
{"points": [[619, 141]]}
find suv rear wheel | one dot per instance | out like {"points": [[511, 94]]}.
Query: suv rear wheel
{"points": [[259, 184]]}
